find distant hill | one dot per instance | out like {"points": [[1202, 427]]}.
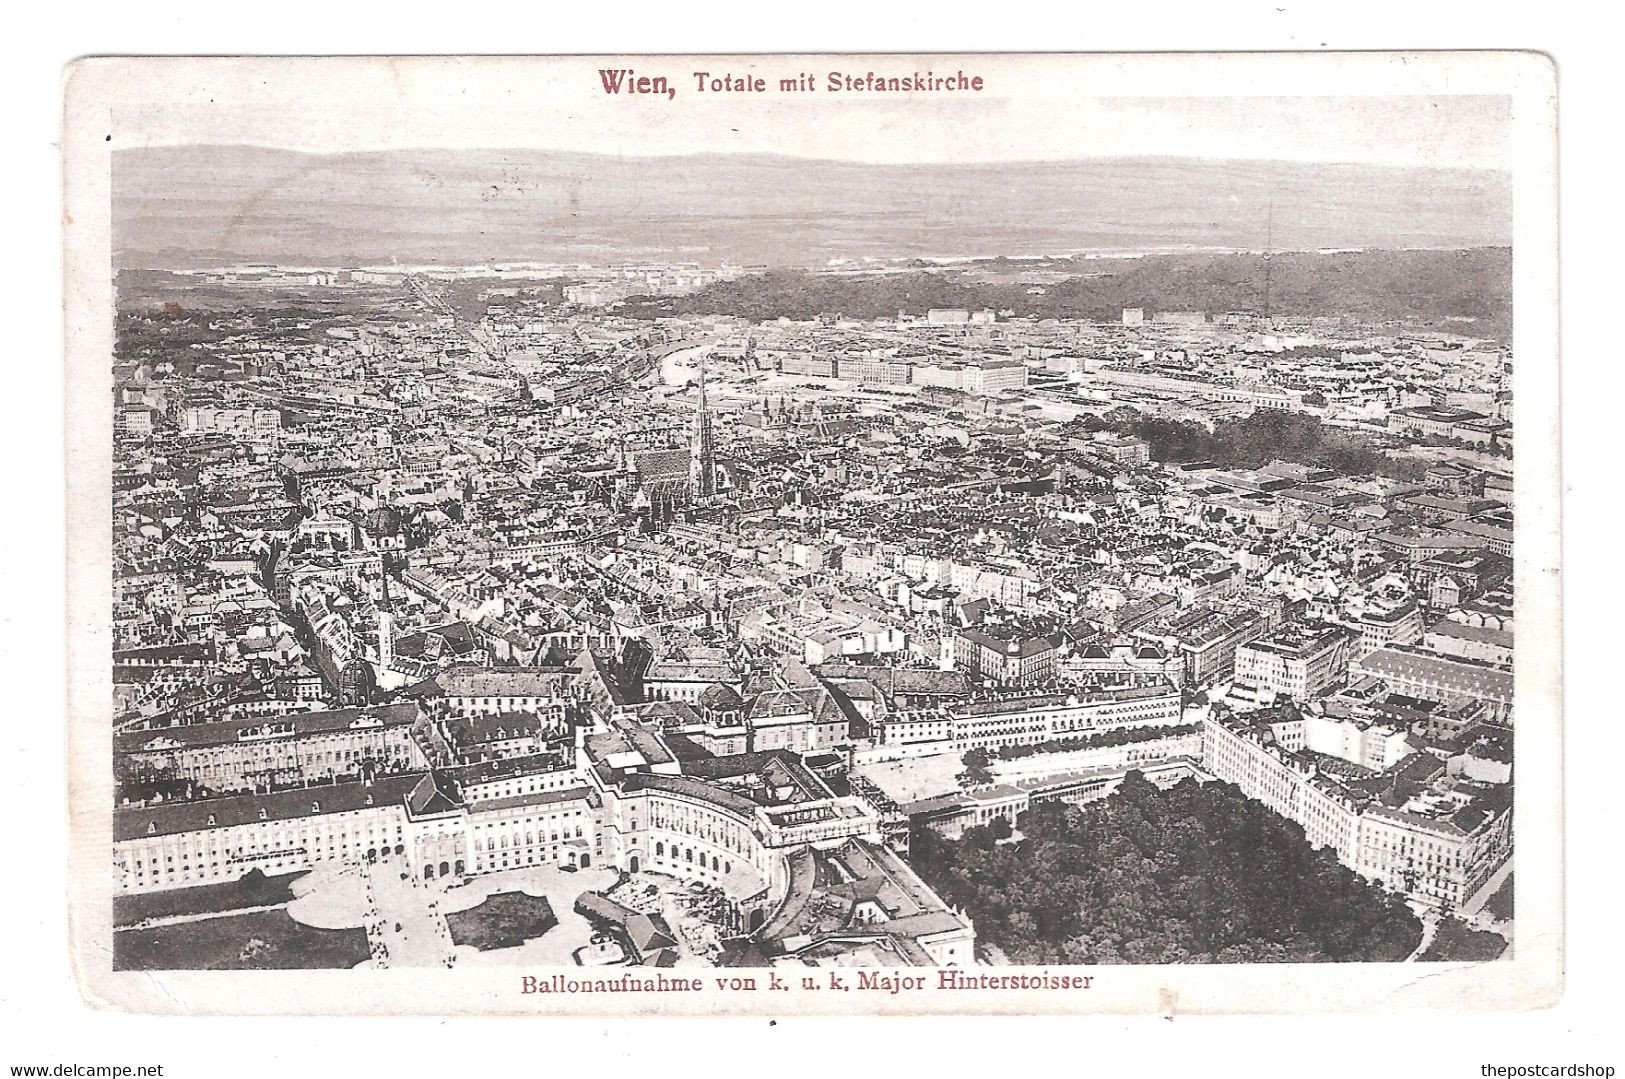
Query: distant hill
{"points": [[1466, 291], [193, 205]]}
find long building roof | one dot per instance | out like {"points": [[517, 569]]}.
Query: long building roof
{"points": [[133, 822], [1462, 676], [290, 725]]}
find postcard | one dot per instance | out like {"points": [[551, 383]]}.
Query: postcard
{"points": [[861, 534]]}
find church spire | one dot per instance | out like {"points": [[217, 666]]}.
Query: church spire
{"points": [[702, 460]]}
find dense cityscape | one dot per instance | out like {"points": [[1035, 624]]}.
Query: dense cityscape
{"points": [[550, 616]]}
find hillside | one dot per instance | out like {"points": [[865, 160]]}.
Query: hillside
{"points": [[192, 205], [1423, 287]]}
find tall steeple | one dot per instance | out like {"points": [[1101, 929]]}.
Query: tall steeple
{"points": [[702, 454]]}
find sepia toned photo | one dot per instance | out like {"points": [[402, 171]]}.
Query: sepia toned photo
{"points": [[843, 533]]}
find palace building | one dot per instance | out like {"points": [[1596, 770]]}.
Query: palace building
{"points": [[805, 872], [1423, 826], [267, 752]]}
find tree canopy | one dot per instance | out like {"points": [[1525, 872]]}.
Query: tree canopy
{"points": [[1194, 874], [977, 768], [1266, 435], [1121, 736]]}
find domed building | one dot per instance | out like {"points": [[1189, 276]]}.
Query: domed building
{"points": [[358, 684]]}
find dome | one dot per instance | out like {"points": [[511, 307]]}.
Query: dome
{"points": [[720, 697]]}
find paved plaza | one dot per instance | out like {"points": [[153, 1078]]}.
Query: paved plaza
{"points": [[405, 916]]}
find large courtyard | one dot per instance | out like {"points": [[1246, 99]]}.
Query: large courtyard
{"points": [[357, 915], [406, 915], [385, 916], [915, 778]]}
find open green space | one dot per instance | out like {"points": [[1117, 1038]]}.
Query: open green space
{"points": [[260, 940], [505, 920], [1194, 874], [1457, 942], [255, 889]]}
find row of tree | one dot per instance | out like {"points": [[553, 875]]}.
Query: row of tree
{"points": [[1122, 736]]}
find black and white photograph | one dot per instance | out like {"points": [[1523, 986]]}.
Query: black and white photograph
{"points": [[859, 533]]}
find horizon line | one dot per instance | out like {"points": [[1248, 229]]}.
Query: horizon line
{"points": [[1099, 254], [779, 155]]}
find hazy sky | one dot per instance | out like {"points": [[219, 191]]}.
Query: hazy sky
{"points": [[1359, 108]]}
